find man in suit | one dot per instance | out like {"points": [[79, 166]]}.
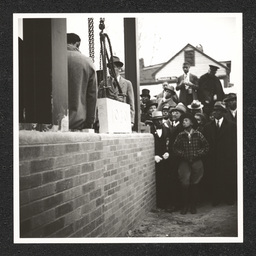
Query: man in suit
{"points": [[230, 102], [210, 89], [161, 94], [221, 162], [82, 86], [169, 98], [145, 98], [188, 85], [122, 92], [150, 108], [161, 137]]}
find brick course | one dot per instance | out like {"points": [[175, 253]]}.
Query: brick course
{"points": [[84, 185]]}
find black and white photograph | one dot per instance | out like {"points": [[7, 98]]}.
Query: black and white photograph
{"points": [[128, 128]]}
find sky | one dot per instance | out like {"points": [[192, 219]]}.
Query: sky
{"points": [[161, 36]]}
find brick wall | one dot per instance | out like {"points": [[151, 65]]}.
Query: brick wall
{"points": [[84, 185]]}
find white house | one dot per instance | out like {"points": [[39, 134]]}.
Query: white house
{"points": [[153, 76]]}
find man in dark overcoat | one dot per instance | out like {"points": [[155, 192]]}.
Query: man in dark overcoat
{"points": [[231, 105], [221, 162], [210, 89]]}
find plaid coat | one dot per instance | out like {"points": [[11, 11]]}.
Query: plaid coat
{"points": [[191, 148]]}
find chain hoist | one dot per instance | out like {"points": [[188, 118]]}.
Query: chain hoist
{"points": [[91, 38], [104, 57]]}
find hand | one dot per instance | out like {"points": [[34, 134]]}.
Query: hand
{"points": [[181, 82], [165, 155], [158, 159]]}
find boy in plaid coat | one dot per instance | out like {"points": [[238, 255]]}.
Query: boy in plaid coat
{"points": [[190, 146]]}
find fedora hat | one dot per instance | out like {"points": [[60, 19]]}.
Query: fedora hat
{"points": [[166, 106], [116, 61], [145, 93], [151, 103], [219, 106], [169, 87], [230, 96], [157, 115], [180, 107], [195, 104]]}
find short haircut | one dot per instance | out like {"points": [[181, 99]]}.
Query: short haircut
{"points": [[73, 38]]}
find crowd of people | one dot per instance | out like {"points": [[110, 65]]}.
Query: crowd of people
{"points": [[195, 141], [194, 133]]}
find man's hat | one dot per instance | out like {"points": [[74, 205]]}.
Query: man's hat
{"points": [[212, 67], [180, 107], [166, 106], [189, 116], [219, 106], [145, 93], [151, 103], [230, 96], [116, 61], [195, 104], [169, 87], [157, 115]]}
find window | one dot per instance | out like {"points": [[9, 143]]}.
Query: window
{"points": [[190, 57]]}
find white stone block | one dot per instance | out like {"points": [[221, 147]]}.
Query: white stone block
{"points": [[114, 116]]}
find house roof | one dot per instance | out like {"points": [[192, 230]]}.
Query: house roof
{"points": [[189, 45], [146, 73]]}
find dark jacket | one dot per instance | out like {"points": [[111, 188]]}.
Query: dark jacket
{"points": [[161, 143], [209, 85], [222, 158], [230, 117]]}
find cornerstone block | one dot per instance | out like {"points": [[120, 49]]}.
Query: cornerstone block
{"points": [[114, 116]]}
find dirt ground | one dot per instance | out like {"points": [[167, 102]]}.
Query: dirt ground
{"points": [[209, 221]]}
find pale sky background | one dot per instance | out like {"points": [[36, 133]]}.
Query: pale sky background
{"points": [[162, 35]]}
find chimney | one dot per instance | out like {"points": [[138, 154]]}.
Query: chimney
{"points": [[141, 63], [200, 47]]}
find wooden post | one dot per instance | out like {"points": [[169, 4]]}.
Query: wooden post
{"points": [[132, 64], [59, 69], [44, 70]]}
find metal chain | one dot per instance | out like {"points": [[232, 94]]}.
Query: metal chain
{"points": [[101, 27], [91, 38]]}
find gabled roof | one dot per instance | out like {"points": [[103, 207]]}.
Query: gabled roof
{"points": [[146, 73], [189, 45]]}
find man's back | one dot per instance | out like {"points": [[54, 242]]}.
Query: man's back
{"points": [[82, 89]]}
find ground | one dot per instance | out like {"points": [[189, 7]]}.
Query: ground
{"points": [[209, 221]]}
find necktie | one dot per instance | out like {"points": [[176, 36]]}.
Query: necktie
{"points": [[218, 124]]}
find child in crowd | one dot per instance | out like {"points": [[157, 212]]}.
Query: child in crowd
{"points": [[190, 146]]}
